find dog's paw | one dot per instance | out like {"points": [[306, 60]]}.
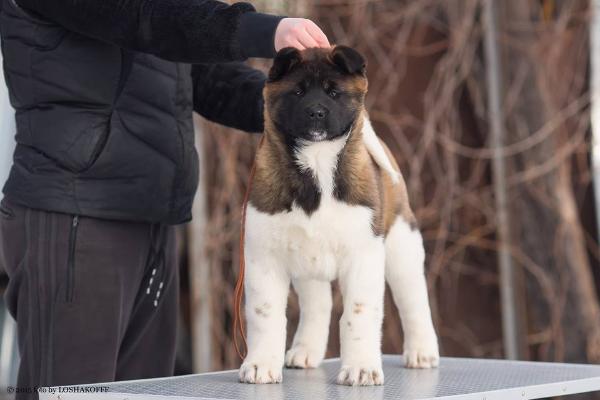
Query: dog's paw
{"points": [[422, 354], [260, 372], [360, 376], [300, 356]]}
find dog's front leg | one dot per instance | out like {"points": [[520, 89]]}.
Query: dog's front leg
{"points": [[267, 286], [310, 341], [362, 284]]}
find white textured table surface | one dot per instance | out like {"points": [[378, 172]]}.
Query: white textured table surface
{"points": [[456, 379]]}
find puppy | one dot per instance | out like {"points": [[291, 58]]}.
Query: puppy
{"points": [[328, 202]]}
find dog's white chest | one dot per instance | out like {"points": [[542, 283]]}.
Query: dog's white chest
{"points": [[312, 246]]}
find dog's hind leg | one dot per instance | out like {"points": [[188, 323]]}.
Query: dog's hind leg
{"points": [[405, 258], [310, 340]]}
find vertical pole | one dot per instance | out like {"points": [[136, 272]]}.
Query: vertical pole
{"points": [[510, 330], [199, 272], [7, 130], [595, 102], [8, 347]]}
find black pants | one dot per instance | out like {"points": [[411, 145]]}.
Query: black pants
{"points": [[94, 300]]}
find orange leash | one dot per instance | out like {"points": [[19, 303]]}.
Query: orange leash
{"points": [[238, 320]]}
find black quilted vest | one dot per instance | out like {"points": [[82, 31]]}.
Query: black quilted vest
{"points": [[101, 131]]}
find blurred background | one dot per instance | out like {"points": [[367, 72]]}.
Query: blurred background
{"points": [[490, 110]]}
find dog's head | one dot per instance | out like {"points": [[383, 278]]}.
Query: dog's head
{"points": [[315, 94]]}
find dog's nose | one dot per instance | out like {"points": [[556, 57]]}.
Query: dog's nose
{"points": [[316, 111]]}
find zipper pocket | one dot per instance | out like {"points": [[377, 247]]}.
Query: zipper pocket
{"points": [[71, 259], [6, 212], [126, 66]]}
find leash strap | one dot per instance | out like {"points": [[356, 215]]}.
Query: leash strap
{"points": [[238, 320]]}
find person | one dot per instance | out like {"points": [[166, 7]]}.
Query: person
{"points": [[105, 165]]}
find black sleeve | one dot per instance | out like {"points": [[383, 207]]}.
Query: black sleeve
{"points": [[230, 94], [178, 30]]}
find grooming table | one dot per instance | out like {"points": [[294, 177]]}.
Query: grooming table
{"points": [[456, 379]]}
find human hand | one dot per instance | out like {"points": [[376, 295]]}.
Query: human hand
{"points": [[300, 33]]}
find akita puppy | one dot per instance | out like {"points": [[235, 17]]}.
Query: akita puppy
{"points": [[327, 202]]}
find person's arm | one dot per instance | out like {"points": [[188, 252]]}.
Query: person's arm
{"points": [[229, 94], [177, 30]]}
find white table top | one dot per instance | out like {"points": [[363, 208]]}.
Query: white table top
{"points": [[456, 379]]}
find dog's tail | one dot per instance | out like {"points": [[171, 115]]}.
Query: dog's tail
{"points": [[376, 150]]}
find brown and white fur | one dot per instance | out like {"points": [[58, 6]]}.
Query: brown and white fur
{"points": [[362, 233]]}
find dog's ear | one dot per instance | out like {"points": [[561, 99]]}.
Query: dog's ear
{"points": [[348, 60], [285, 59]]}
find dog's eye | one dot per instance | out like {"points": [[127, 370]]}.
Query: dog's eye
{"points": [[299, 91], [333, 93]]}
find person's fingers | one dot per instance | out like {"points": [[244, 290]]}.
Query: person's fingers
{"points": [[317, 34], [306, 39], [295, 43], [300, 33]]}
